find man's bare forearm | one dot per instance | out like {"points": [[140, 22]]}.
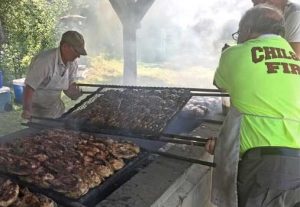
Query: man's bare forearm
{"points": [[27, 102]]}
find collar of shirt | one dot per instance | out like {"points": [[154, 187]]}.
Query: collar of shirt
{"points": [[59, 59], [62, 67]]}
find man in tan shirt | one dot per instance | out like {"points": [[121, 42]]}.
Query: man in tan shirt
{"points": [[50, 73]]}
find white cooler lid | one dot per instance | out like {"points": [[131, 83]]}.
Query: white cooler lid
{"points": [[4, 89], [19, 82]]}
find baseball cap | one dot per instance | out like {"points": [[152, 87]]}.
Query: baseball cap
{"points": [[75, 39]]}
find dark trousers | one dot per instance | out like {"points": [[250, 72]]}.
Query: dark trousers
{"points": [[269, 179]]}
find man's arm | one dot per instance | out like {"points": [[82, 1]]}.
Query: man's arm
{"points": [[296, 48], [210, 145], [27, 102]]}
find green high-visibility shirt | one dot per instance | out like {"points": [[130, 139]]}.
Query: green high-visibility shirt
{"points": [[262, 77]]}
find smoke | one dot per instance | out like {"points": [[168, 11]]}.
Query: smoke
{"points": [[190, 32], [99, 24], [173, 34], [170, 28]]}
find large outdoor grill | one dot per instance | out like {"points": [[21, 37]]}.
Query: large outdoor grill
{"points": [[108, 115]]}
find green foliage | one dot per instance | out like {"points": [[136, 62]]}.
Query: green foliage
{"points": [[29, 26]]}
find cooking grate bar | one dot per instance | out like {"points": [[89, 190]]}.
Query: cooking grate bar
{"points": [[148, 87], [192, 94], [155, 139], [167, 138]]}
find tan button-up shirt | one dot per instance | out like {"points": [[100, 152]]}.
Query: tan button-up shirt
{"points": [[48, 76]]}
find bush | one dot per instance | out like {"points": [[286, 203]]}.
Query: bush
{"points": [[29, 26]]}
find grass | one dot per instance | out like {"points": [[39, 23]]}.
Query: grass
{"points": [[11, 121], [109, 71]]}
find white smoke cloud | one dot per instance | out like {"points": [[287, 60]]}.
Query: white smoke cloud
{"points": [[174, 33], [191, 31]]}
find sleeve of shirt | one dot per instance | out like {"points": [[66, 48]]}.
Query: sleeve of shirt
{"points": [[37, 73], [292, 27], [221, 78], [73, 72]]}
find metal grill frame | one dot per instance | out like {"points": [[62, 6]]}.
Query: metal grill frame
{"points": [[69, 123]]}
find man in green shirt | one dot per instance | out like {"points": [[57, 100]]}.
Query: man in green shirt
{"points": [[262, 76]]}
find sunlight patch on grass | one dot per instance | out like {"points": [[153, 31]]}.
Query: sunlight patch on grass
{"points": [[102, 70], [110, 71]]}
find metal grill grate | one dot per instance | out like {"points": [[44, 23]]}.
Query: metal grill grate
{"points": [[125, 120]]}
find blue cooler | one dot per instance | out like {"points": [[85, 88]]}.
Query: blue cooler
{"points": [[5, 99], [1, 79], [18, 85]]}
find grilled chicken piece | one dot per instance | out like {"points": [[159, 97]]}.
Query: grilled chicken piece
{"points": [[71, 185], [9, 192], [29, 199], [124, 150], [46, 202], [41, 179], [104, 171], [44, 179], [90, 177], [23, 166], [41, 157], [116, 164]]}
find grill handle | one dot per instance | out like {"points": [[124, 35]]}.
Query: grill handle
{"points": [[211, 94], [46, 119], [189, 138], [177, 157], [179, 141]]}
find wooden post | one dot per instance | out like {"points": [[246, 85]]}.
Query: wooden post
{"points": [[130, 13], [130, 56]]}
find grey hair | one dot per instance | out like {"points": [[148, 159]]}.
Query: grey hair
{"points": [[263, 19]]}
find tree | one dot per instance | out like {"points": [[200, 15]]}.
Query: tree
{"points": [[29, 26]]}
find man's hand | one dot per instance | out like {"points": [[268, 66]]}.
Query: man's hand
{"points": [[73, 91], [225, 47], [210, 145], [27, 102]]}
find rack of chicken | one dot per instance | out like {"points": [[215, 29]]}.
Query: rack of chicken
{"points": [[65, 161], [138, 111]]}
